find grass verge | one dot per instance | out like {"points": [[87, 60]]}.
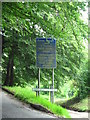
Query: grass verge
{"points": [[73, 104], [28, 96]]}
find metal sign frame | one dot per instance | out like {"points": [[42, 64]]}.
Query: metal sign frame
{"points": [[45, 53], [46, 48]]}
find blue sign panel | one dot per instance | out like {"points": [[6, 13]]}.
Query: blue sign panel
{"points": [[46, 53]]}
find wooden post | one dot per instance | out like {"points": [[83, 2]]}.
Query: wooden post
{"points": [[53, 85], [36, 91], [51, 95], [39, 82]]}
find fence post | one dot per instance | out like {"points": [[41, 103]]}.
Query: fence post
{"points": [[36, 91]]}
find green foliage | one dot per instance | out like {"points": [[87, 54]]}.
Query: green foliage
{"points": [[83, 81], [23, 22], [82, 105], [69, 89]]}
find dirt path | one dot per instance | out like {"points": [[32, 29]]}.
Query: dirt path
{"points": [[75, 114]]}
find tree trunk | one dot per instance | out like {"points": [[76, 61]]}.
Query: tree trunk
{"points": [[8, 72], [11, 68], [9, 75]]}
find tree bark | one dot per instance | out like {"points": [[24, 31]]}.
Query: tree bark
{"points": [[9, 75], [11, 69], [8, 72]]}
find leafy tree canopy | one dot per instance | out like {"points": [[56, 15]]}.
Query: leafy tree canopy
{"points": [[23, 22]]}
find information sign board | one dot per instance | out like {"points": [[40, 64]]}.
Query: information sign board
{"points": [[45, 53]]}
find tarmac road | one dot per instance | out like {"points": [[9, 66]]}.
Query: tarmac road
{"points": [[76, 114], [12, 108]]}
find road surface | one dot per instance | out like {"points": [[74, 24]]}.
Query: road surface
{"points": [[0, 105], [12, 108], [75, 114]]}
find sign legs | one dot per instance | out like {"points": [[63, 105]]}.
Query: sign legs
{"points": [[52, 87], [52, 93], [39, 82]]}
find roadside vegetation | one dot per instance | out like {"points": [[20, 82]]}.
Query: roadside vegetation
{"points": [[22, 23], [26, 95], [74, 104]]}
